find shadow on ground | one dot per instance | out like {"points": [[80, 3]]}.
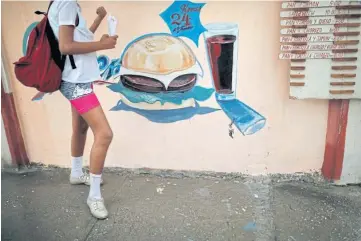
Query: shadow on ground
{"points": [[42, 206]]}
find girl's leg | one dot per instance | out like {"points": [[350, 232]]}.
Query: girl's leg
{"points": [[80, 130], [78, 139], [103, 135], [86, 108]]}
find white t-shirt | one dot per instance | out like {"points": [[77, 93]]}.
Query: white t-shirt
{"points": [[64, 12]]}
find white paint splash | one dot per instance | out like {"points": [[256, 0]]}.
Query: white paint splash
{"points": [[160, 190]]}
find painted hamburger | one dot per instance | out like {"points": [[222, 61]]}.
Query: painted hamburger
{"points": [[159, 63]]}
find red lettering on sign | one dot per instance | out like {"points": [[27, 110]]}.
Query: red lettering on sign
{"points": [[186, 9], [182, 21], [291, 5], [325, 21], [335, 3], [291, 31]]}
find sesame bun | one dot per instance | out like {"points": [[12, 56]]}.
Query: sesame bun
{"points": [[159, 54]]}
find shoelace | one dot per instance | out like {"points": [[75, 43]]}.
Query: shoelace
{"points": [[97, 205], [85, 177]]}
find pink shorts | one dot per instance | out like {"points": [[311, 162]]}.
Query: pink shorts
{"points": [[80, 95]]}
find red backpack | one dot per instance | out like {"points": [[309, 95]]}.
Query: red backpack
{"points": [[43, 64]]}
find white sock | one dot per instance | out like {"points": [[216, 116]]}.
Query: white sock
{"points": [[94, 192], [76, 166]]}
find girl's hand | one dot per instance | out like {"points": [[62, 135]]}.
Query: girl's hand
{"points": [[108, 42], [101, 12]]}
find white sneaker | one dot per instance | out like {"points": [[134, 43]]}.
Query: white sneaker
{"points": [[83, 179], [97, 208]]}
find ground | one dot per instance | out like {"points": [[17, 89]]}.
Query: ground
{"points": [[161, 205]]}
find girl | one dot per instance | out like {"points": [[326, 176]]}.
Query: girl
{"points": [[76, 39]]}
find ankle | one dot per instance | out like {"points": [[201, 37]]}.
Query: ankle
{"points": [[94, 192], [77, 166]]}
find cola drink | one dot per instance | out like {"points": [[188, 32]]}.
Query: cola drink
{"points": [[222, 52]]}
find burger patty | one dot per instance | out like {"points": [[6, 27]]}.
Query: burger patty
{"points": [[182, 83]]}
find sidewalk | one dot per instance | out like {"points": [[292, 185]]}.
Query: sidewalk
{"points": [[42, 206]]}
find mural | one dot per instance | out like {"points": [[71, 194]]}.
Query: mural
{"points": [[158, 76]]}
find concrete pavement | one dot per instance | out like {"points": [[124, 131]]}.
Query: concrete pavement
{"points": [[157, 206]]}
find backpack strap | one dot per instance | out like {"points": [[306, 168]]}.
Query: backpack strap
{"points": [[71, 57], [72, 62], [77, 20], [51, 3]]}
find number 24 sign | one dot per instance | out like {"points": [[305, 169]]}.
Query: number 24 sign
{"points": [[182, 18], [181, 22]]}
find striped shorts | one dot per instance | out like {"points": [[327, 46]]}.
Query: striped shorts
{"points": [[80, 95]]}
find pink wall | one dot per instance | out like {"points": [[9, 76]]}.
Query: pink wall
{"points": [[293, 139]]}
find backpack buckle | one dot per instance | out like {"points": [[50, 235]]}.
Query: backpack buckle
{"points": [[40, 13]]}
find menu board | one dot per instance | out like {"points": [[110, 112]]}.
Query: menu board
{"points": [[321, 39]]}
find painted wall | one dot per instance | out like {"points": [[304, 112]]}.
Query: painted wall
{"points": [[292, 139]]}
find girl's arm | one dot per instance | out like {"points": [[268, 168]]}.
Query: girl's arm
{"points": [[67, 45], [101, 15]]}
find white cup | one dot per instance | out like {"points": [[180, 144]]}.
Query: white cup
{"points": [[112, 25]]}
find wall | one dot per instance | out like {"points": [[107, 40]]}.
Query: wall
{"points": [[5, 151], [351, 169], [292, 140]]}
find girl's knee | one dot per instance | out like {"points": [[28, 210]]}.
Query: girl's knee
{"points": [[109, 135], [104, 136]]}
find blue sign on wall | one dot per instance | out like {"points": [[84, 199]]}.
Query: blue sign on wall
{"points": [[182, 18]]}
